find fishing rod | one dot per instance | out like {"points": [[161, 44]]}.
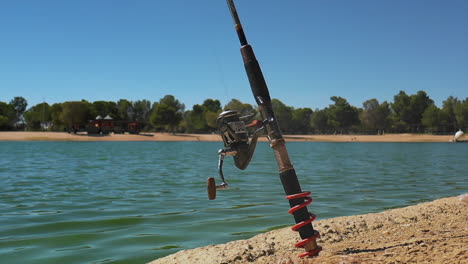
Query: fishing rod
{"points": [[236, 142]]}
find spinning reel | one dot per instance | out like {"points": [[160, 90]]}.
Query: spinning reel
{"points": [[236, 143]]}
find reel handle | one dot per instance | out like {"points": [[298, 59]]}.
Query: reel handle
{"points": [[211, 187]]}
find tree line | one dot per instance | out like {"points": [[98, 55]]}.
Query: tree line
{"points": [[414, 113]]}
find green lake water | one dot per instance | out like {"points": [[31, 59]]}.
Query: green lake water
{"points": [[133, 202]]}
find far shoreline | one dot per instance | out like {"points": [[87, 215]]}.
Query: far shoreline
{"points": [[63, 136]]}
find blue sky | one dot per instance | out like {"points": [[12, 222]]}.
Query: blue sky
{"points": [[309, 50]]}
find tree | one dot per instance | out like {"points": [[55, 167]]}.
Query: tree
{"points": [[401, 111], [38, 116], [375, 116], [243, 109], [55, 113], [173, 102], [164, 115], [124, 110], [141, 111], [384, 114], [419, 102], [196, 121], [319, 121], [210, 105], [341, 115], [211, 108], [301, 120], [167, 113], [210, 118], [408, 110], [434, 119], [75, 113], [7, 113], [283, 115], [448, 107], [19, 105], [202, 118], [4, 122], [461, 113], [104, 108]]}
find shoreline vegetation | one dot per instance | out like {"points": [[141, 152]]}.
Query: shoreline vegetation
{"points": [[63, 136], [432, 232], [416, 113]]}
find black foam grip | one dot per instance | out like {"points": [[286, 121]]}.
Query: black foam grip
{"points": [[255, 75]]}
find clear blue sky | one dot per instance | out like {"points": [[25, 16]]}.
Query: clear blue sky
{"points": [[309, 50]]}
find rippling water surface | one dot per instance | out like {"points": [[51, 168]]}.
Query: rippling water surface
{"points": [[132, 202]]}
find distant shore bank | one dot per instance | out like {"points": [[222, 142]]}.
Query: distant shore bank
{"points": [[62, 136]]}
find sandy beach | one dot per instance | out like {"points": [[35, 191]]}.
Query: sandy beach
{"points": [[62, 136], [433, 232]]}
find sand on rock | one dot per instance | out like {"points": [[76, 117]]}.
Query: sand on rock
{"points": [[433, 232]]}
